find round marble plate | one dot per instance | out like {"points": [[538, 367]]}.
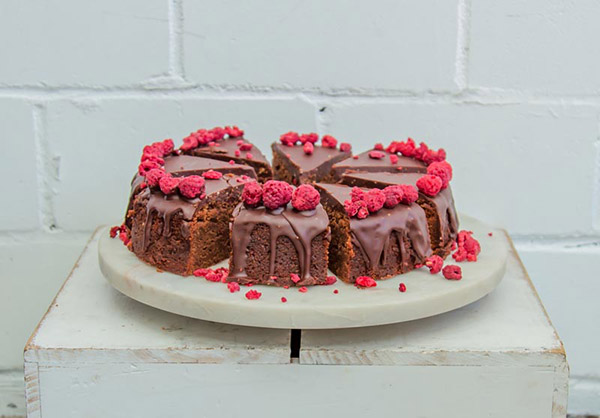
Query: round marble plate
{"points": [[319, 307]]}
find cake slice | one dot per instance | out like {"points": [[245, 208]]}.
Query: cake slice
{"points": [[186, 165], [278, 242], [181, 234], [299, 164], [227, 144], [381, 244], [377, 161], [441, 215]]}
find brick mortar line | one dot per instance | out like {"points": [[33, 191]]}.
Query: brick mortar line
{"points": [[483, 97], [176, 50], [463, 44], [44, 175]]}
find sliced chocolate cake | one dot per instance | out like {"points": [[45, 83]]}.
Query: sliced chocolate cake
{"points": [[227, 144], [441, 214], [280, 236], [182, 224], [186, 165], [372, 234], [377, 160], [306, 162]]}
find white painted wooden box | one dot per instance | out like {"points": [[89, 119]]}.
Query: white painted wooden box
{"points": [[97, 353]]}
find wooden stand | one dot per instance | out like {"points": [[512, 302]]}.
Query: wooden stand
{"points": [[98, 353]]}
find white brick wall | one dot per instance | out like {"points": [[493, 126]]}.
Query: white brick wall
{"points": [[511, 89]]}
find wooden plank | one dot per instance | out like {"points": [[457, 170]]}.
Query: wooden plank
{"points": [[226, 390], [89, 321]]}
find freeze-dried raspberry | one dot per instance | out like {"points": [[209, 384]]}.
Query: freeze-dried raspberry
{"points": [[409, 194], [345, 147], [249, 156], [233, 131], [308, 148], [393, 196], [153, 176], [146, 166], [237, 153], [231, 162], [303, 289], [434, 264], [295, 278], [189, 142], [443, 170], [468, 248], [153, 157], [351, 208], [311, 137], [305, 197], [328, 141], [365, 281], [233, 287], [212, 175], [376, 155], [201, 272], [452, 272], [253, 294], [217, 133], [245, 147], [191, 186], [375, 200], [393, 158], [355, 157], [406, 148], [168, 184], [402, 287], [143, 185], [154, 149], [252, 194], [283, 299], [124, 237], [431, 156], [392, 148], [114, 231], [330, 280], [239, 142], [212, 144], [276, 194], [335, 291], [290, 138], [356, 208], [223, 272], [167, 146], [429, 185], [213, 277], [357, 194], [378, 146]]}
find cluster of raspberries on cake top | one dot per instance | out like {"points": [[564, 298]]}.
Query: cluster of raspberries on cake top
{"points": [[366, 217]]}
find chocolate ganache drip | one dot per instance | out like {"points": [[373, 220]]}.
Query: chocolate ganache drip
{"points": [[301, 227]]}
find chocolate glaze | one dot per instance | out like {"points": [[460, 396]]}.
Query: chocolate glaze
{"points": [[373, 234], [166, 206], [366, 163], [443, 202], [301, 227], [308, 168], [224, 150], [186, 165]]}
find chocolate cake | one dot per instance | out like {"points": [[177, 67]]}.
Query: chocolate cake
{"points": [[279, 237], [377, 160], [186, 165], [227, 144], [180, 234], [305, 163], [188, 205], [382, 244], [441, 214]]}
